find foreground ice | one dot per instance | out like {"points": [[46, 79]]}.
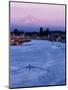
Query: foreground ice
{"points": [[47, 60]]}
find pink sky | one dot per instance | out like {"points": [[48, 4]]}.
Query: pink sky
{"points": [[30, 13]]}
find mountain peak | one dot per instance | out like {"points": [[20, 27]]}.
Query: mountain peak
{"points": [[30, 20]]}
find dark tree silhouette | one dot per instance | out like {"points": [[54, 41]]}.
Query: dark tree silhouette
{"points": [[47, 31], [20, 32], [15, 31], [41, 31]]}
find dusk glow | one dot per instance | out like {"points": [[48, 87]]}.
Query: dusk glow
{"points": [[28, 14]]}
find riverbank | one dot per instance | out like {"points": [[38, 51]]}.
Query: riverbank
{"points": [[20, 39]]}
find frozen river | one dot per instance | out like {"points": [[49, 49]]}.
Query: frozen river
{"points": [[47, 60]]}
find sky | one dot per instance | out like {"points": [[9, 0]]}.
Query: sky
{"points": [[30, 15]]}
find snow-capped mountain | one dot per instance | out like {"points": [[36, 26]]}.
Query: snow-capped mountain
{"points": [[31, 20]]}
